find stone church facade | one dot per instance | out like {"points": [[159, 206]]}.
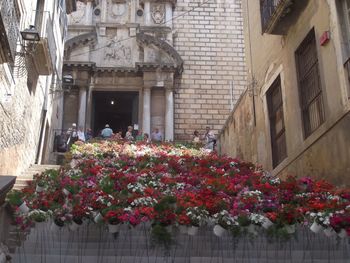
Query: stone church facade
{"points": [[173, 65]]}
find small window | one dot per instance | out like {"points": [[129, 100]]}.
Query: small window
{"points": [[277, 128], [310, 91]]}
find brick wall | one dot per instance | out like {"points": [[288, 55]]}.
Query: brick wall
{"points": [[210, 40]]}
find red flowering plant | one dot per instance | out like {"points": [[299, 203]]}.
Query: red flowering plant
{"points": [[340, 220], [113, 215]]}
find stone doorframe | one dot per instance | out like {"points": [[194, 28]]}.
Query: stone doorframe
{"points": [[88, 78]]}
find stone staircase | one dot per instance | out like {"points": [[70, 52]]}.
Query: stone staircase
{"points": [[21, 180], [92, 243]]}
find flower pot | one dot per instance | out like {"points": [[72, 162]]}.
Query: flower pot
{"points": [[290, 229], [73, 226], [219, 230], [267, 223], [98, 218], [342, 233], [65, 191], [329, 232], [55, 228], [252, 229], [113, 228], [39, 189], [192, 230], [23, 208], [183, 229], [315, 227]]}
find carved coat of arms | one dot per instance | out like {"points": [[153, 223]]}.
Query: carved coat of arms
{"points": [[158, 13]]}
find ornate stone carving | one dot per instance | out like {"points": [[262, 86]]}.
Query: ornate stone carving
{"points": [[117, 52], [117, 9], [78, 15], [158, 13]]}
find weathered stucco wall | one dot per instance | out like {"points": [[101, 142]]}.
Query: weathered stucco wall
{"points": [[209, 39], [238, 134], [324, 153], [31, 106]]}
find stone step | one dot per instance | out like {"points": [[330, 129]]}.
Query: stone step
{"points": [[28, 175], [156, 259]]}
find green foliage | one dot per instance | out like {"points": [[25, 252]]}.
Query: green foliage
{"points": [[107, 185], [14, 198], [161, 236]]}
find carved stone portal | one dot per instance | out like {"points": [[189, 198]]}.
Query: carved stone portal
{"points": [[158, 13]]}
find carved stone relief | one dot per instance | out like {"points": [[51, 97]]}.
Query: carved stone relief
{"points": [[78, 15], [117, 53], [117, 11], [158, 13]]}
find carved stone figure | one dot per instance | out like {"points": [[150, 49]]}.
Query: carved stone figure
{"points": [[158, 13], [78, 15], [118, 53]]}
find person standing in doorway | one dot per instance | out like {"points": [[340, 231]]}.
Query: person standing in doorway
{"points": [[107, 132], [128, 135], [72, 135], [81, 134], [157, 136], [89, 134], [139, 136]]}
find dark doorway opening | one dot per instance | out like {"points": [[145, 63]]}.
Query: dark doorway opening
{"points": [[116, 108]]}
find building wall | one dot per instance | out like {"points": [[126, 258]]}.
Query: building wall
{"points": [[324, 153], [28, 109], [209, 37]]}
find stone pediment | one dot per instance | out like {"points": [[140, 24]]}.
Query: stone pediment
{"points": [[80, 39], [147, 40]]}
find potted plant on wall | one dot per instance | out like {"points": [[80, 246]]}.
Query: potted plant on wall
{"points": [[198, 216], [15, 199], [111, 216], [224, 221]]}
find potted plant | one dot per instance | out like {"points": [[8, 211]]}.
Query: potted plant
{"points": [[15, 199], [112, 219], [198, 217], [40, 186], [224, 221], [38, 215]]}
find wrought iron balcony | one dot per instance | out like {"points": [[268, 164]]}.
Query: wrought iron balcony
{"points": [[9, 29], [278, 15]]}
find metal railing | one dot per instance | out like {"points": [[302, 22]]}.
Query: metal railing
{"points": [[268, 9], [9, 26]]}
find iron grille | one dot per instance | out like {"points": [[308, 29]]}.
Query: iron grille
{"points": [[310, 90], [277, 128], [9, 27], [268, 10]]}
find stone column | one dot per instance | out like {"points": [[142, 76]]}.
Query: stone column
{"points": [[88, 13], [89, 107], [82, 107], [169, 15], [147, 12], [169, 21], [169, 114], [146, 120]]}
